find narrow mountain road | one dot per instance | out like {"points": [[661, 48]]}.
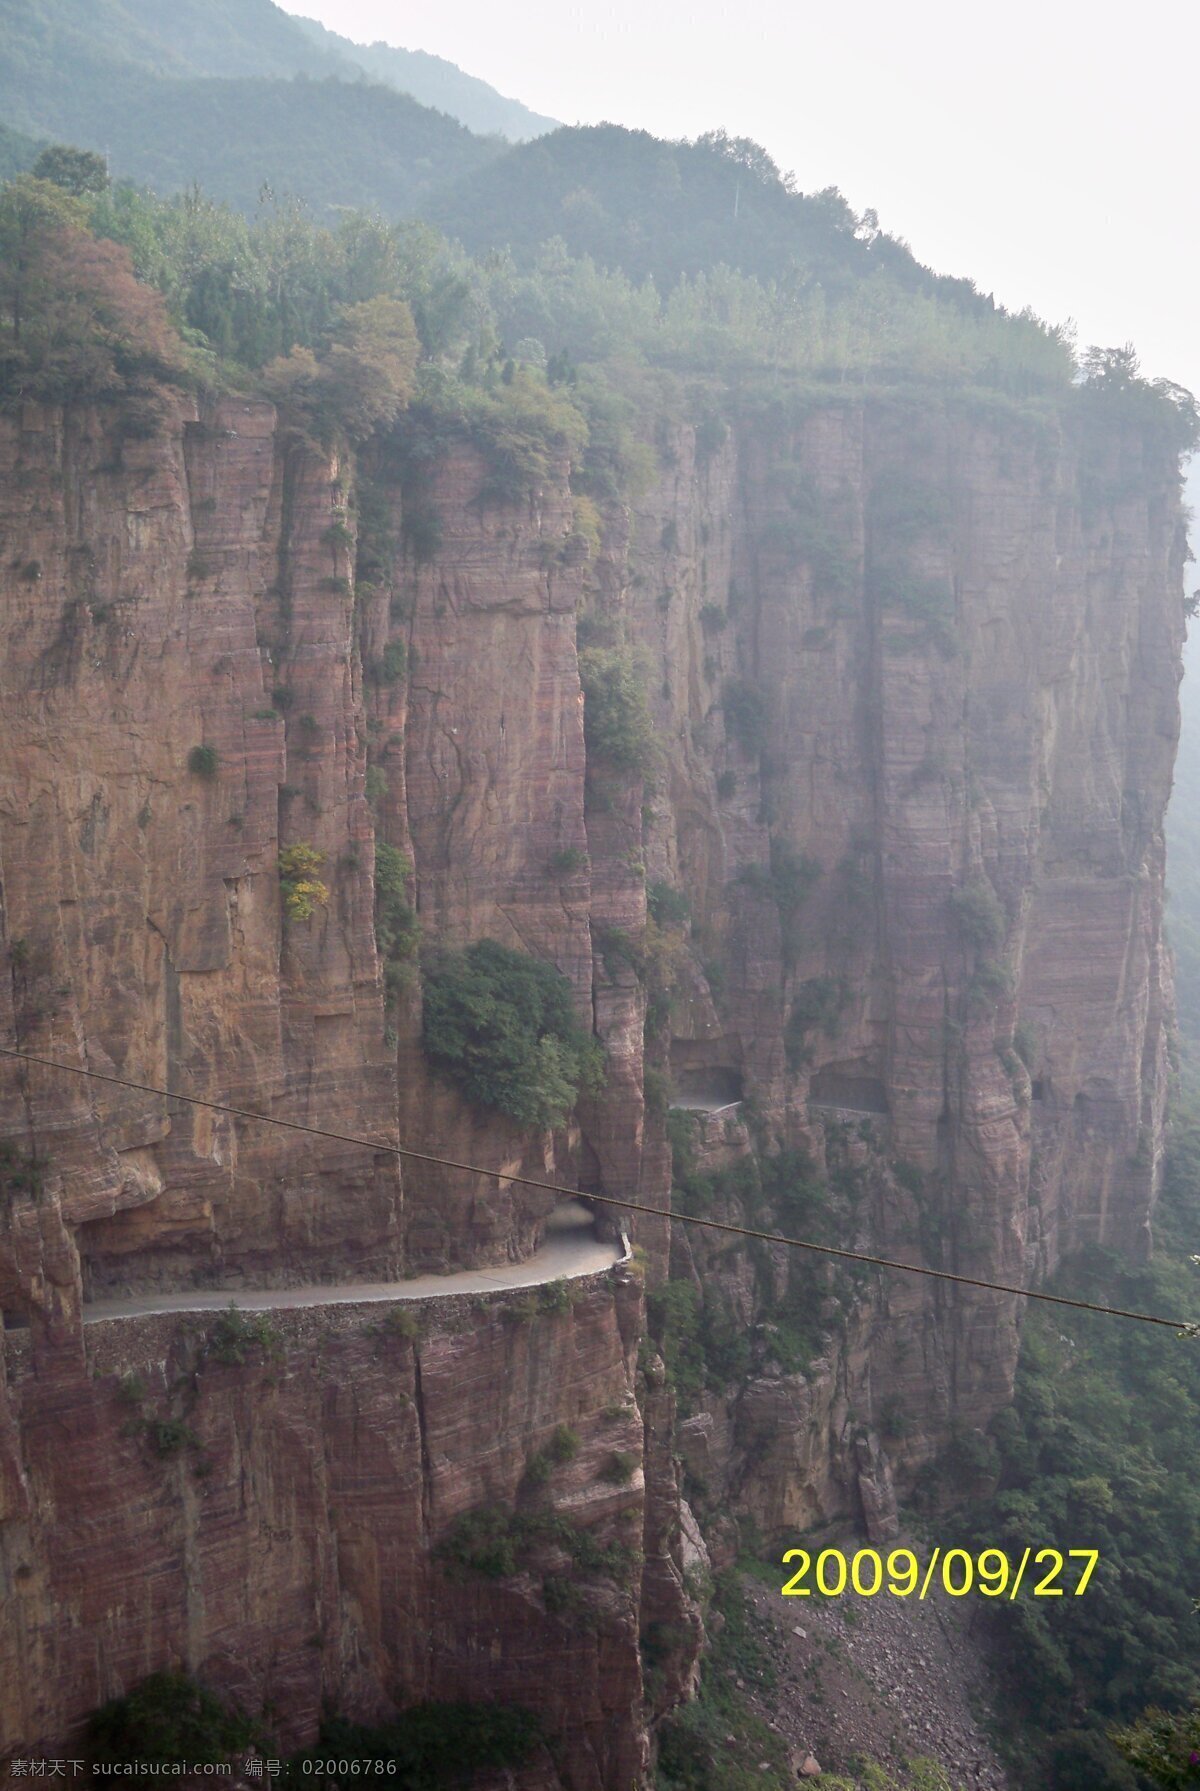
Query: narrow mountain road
{"points": [[570, 1249], [705, 1104]]}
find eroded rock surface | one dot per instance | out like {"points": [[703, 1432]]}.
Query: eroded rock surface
{"points": [[913, 675]]}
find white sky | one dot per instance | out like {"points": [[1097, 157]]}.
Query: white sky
{"points": [[1049, 151]]}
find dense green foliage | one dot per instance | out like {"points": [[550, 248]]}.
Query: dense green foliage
{"points": [[236, 1335], [19, 1174], [350, 324], [494, 1543], [818, 1003], [979, 914], [203, 761], [746, 718], [167, 1718], [660, 210], [74, 321], [605, 254], [502, 1024], [746, 270], [1165, 1747], [432, 1745], [1102, 1450]]}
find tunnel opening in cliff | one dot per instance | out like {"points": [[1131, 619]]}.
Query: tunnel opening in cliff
{"points": [[708, 1088]]}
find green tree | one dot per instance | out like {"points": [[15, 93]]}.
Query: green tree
{"points": [[369, 366], [363, 376], [77, 171], [502, 1024], [75, 323], [1165, 1746], [32, 210]]}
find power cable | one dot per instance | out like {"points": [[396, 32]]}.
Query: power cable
{"points": [[1184, 1327]]}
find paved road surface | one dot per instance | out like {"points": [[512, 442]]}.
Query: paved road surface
{"points": [[706, 1104], [571, 1248]]}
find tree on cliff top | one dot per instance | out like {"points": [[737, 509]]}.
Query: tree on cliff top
{"points": [[363, 377], [75, 323], [502, 1025]]}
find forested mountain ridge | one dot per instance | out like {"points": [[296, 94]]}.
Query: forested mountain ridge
{"points": [[659, 210], [241, 99]]}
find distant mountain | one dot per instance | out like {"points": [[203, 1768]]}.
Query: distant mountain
{"points": [[178, 91], [184, 90], [166, 37], [436, 82]]}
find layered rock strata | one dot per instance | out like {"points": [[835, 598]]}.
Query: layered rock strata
{"points": [[912, 668]]}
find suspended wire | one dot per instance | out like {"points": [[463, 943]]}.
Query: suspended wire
{"points": [[1184, 1327]]}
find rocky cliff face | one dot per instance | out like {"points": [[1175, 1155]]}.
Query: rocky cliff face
{"points": [[293, 1520], [912, 669], [930, 872]]}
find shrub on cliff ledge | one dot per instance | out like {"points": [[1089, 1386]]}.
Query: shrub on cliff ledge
{"points": [[616, 720], [746, 718], [396, 926], [167, 1718], [203, 761], [236, 1333], [502, 1025], [303, 892], [979, 914]]}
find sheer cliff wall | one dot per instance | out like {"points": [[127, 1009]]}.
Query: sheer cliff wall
{"points": [[912, 668]]}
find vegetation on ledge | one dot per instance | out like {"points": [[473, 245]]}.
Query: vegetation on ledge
{"points": [[502, 1025], [165, 1719]]}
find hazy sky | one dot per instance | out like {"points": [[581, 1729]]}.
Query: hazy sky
{"points": [[1051, 151]]}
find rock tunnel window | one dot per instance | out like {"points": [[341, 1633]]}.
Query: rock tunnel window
{"points": [[707, 1090]]}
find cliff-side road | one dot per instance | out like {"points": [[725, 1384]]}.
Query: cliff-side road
{"points": [[570, 1249]]}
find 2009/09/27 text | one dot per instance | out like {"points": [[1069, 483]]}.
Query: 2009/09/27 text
{"points": [[991, 1572]]}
